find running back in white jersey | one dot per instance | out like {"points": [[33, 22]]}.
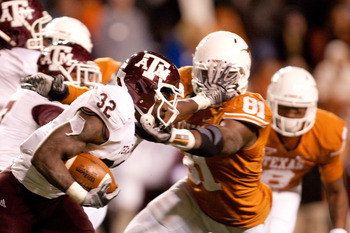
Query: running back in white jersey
{"points": [[113, 105], [15, 63], [17, 123]]}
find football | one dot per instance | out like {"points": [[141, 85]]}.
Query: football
{"points": [[90, 172]]}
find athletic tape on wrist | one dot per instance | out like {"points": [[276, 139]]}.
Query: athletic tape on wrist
{"points": [[202, 101], [77, 192], [182, 139], [338, 230]]}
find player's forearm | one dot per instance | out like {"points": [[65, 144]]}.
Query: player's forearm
{"points": [[186, 107], [55, 172], [338, 207]]}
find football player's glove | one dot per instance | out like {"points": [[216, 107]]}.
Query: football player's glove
{"points": [[98, 197], [43, 84], [216, 86]]}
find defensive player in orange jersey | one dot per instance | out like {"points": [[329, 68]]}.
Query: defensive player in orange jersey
{"points": [[224, 148], [302, 137]]}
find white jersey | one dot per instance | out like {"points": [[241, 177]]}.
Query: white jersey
{"points": [[113, 105], [17, 123], [15, 63]]}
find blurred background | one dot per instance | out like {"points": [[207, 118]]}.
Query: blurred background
{"points": [[313, 34]]}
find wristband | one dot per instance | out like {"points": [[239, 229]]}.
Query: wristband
{"points": [[338, 230], [77, 192], [202, 101], [212, 141], [182, 139]]}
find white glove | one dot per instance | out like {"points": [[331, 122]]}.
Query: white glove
{"points": [[98, 197], [216, 85], [43, 83]]}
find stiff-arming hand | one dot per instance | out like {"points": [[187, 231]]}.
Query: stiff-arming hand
{"points": [[98, 197], [217, 83], [216, 86], [43, 83]]}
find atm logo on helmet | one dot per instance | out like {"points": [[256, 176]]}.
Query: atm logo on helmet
{"points": [[20, 11], [57, 55], [158, 67]]}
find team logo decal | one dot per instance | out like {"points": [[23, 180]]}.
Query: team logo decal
{"points": [[158, 67], [20, 11], [57, 56]]}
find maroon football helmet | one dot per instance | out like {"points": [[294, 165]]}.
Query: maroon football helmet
{"points": [[72, 61], [148, 77], [21, 23]]}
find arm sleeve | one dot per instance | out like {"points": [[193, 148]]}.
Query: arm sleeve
{"points": [[74, 92], [332, 170], [108, 67]]}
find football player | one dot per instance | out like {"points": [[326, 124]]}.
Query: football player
{"points": [[224, 148], [26, 111], [21, 39], [100, 122], [303, 136], [25, 30]]}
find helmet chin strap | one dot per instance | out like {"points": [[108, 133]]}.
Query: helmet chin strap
{"points": [[7, 38]]}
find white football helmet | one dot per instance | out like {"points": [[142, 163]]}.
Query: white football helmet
{"points": [[292, 87], [68, 29], [222, 46]]}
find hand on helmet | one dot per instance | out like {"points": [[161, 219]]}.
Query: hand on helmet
{"points": [[43, 83], [98, 197], [217, 84], [215, 90]]}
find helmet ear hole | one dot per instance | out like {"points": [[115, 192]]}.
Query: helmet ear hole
{"points": [[139, 88], [15, 32]]}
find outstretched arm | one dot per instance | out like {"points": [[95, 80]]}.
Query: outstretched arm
{"points": [[224, 139]]}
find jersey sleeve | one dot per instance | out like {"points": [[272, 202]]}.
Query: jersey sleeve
{"points": [[74, 92], [186, 80], [332, 170], [108, 67], [332, 133], [250, 108]]}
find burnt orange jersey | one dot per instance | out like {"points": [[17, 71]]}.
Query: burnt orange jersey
{"points": [[185, 74], [321, 146], [108, 67], [228, 188]]}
